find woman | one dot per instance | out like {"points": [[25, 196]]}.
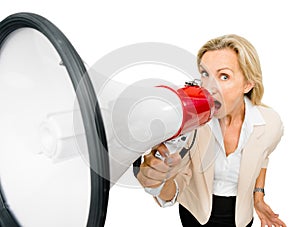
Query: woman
{"points": [[223, 177]]}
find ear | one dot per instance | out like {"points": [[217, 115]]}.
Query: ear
{"points": [[248, 86]]}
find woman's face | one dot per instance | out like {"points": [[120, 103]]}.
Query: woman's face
{"points": [[221, 74]]}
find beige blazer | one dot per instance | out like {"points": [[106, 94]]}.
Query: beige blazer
{"points": [[195, 179]]}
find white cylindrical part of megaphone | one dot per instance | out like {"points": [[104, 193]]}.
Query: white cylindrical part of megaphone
{"points": [[142, 116], [59, 139]]}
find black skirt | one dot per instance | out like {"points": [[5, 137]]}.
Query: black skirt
{"points": [[222, 214]]}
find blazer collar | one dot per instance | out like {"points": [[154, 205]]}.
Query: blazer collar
{"points": [[252, 114]]}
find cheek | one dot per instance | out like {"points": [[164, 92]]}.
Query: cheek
{"points": [[232, 89], [230, 96]]}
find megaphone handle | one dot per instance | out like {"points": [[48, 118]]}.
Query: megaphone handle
{"points": [[173, 145], [176, 144]]}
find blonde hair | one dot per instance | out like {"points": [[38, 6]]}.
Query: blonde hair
{"points": [[248, 61]]}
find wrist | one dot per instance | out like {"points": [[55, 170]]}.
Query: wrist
{"points": [[259, 190], [170, 189], [258, 194], [168, 202]]}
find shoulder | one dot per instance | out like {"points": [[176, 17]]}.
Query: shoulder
{"points": [[273, 122], [270, 116]]}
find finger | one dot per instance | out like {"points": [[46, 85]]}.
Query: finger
{"points": [[283, 224], [173, 159], [162, 152], [162, 149], [280, 222], [147, 182], [155, 163], [151, 173]]}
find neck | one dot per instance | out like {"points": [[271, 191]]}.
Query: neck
{"points": [[234, 118]]}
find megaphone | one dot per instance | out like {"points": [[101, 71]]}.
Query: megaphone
{"points": [[149, 112], [41, 124]]}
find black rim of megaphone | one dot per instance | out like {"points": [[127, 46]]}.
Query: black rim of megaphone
{"points": [[90, 111]]}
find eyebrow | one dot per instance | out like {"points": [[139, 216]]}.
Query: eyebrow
{"points": [[201, 66], [225, 68]]}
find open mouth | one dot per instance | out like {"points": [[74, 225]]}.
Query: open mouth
{"points": [[217, 104]]}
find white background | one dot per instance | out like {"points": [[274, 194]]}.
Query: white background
{"points": [[96, 28]]}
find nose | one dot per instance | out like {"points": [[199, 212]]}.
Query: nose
{"points": [[212, 91], [211, 86]]}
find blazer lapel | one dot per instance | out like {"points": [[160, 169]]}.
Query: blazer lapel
{"points": [[205, 155], [250, 159]]}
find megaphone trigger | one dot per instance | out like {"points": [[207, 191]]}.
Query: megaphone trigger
{"points": [[173, 146], [177, 143]]}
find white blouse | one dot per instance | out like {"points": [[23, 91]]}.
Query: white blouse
{"points": [[227, 167]]}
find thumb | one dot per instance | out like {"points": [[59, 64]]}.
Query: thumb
{"points": [[160, 151]]}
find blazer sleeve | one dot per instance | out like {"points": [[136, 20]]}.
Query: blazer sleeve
{"points": [[184, 176], [274, 131], [185, 172]]}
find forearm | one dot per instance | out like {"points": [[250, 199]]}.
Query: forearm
{"points": [[260, 183]]}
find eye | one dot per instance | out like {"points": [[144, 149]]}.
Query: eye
{"points": [[204, 74], [224, 77]]}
